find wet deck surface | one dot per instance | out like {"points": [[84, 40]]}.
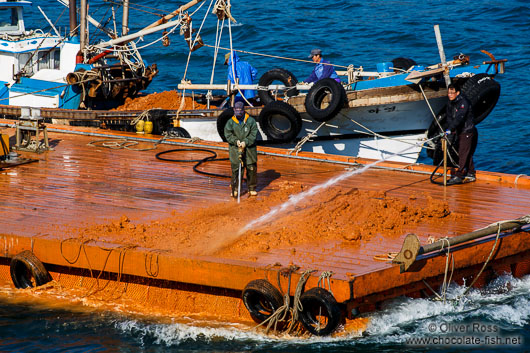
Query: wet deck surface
{"points": [[81, 185]]}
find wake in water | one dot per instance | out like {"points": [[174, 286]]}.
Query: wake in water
{"points": [[503, 306]]}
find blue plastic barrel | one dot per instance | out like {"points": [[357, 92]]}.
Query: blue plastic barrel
{"points": [[384, 67]]}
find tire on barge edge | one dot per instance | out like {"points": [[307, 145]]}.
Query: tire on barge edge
{"points": [[261, 299], [27, 271], [319, 305]]}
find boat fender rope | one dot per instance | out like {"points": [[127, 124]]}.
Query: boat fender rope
{"points": [[297, 304], [325, 276], [306, 138], [517, 178], [485, 263], [281, 313]]}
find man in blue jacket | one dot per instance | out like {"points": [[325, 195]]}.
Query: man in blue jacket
{"points": [[244, 72], [321, 70]]}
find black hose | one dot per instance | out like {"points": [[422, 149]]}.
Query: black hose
{"points": [[450, 145], [434, 172], [199, 162]]}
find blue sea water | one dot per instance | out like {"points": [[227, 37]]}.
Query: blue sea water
{"points": [[349, 32]]}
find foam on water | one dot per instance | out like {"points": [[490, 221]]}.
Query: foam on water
{"points": [[504, 303]]}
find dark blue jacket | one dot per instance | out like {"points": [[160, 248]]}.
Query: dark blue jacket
{"points": [[459, 115], [322, 71], [245, 72]]}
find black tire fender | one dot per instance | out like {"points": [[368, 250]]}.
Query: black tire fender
{"points": [[222, 119], [177, 131], [319, 305], [403, 63], [315, 97], [483, 93], [27, 271], [261, 299], [278, 74], [280, 121]]}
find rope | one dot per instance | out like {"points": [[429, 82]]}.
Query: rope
{"points": [[385, 257], [297, 304], [447, 256], [306, 138], [117, 144], [523, 220], [517, 177], [325, 275], [234, 66], [274, 56], [218, 35], [223, 7], [282, 311], [141, 116], [375, 134], [487, 261]]}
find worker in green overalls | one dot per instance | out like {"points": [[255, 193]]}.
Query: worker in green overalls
{"points": [[240, 132]]}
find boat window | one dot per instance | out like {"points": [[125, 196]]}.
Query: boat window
{"points": [[8, 19], [56, 59], [22, 60], [44, 60]]}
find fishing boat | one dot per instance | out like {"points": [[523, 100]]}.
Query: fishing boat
{"points": [[388, 113], [384, 114], [50, 70]]}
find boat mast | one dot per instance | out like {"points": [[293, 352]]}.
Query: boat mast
{"points": [[442, 54], [82, 19], [125, 20], [73, 17]]}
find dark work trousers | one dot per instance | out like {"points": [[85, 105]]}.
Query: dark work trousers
{"points": [[467, 143], [252, 176]]}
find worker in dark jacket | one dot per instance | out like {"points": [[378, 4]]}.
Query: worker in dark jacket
{"points": [[240, 132], [460, 122], [321, 70]]}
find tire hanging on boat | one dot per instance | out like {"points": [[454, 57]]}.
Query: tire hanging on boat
{"points": [[278, 74], [27, 271], [317, 107], [280, 121], [222, 119], [177, 131], [321, 313], [403, 63], [261, 299], [483, 93]]}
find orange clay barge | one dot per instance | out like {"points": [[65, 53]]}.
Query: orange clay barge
{"points": [[325, 242]]}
